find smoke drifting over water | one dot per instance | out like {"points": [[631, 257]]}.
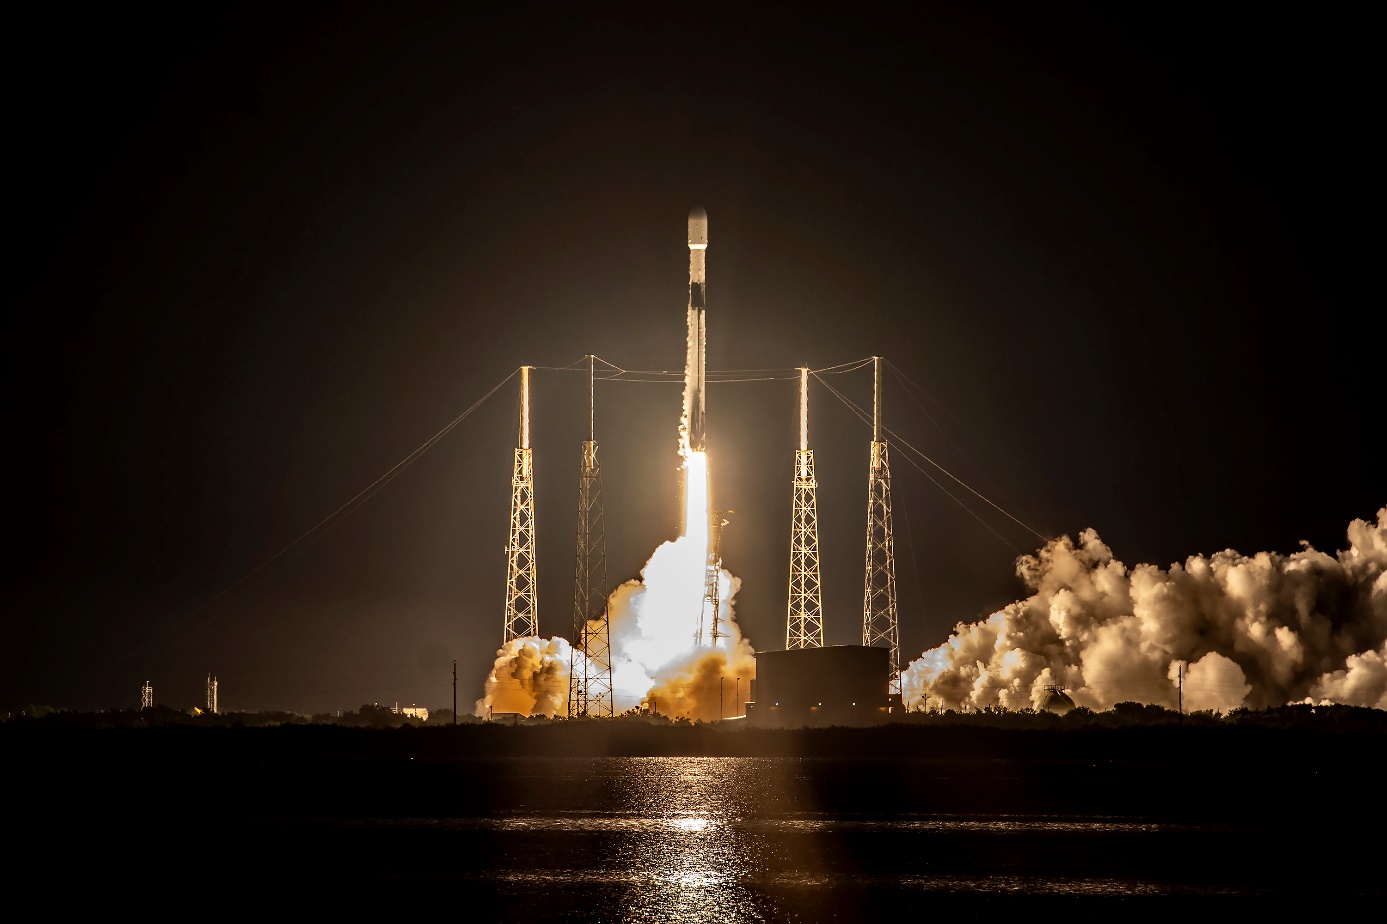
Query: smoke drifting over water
{"points": [[1257, 631]]}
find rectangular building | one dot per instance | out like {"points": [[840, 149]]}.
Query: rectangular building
{"points": [[834, 685]]}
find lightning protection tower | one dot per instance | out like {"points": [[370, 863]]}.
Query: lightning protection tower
{"points": [[879, 627], [590, 664], [212, 695], [522, 613], [804, 627], [147, 695]]}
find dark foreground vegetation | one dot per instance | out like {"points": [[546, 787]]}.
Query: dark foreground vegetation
{"points": [[632, 734], [1270, 740], [1199, 755]]}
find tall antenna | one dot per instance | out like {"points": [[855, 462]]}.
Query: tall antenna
{"points": [[804, 627], [147, 695], [522, 612], [590, 662], [212, 694], [879, 627]]}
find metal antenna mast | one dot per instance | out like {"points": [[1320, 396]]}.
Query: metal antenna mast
{"points": [[590, 661], [212, 695], [147, 695], [522, 613], [804, 627], [879, 627]]}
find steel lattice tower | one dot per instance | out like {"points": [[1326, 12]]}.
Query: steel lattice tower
{"points": [[522, 611], [212, 695], [711, 602], [804, 627], [147, 695], [879, 626], [590, 676]]}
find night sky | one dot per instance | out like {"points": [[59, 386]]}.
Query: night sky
{"points": [[260, 254]]}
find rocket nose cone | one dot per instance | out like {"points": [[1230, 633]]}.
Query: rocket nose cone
{"points": [[698, 227]]}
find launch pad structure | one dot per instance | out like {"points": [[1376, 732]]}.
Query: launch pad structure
{"points": [[590, 690]]}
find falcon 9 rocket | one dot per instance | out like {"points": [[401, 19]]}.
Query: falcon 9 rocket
{"points": [[694, 361]]}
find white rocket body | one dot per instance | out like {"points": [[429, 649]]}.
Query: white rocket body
{"points": [[698, 248]]}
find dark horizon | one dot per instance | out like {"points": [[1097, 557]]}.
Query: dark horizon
{"points": [[265, 254]]}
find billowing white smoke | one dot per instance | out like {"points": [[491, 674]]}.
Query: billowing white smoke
{"points": [[1258, 630], [1362, 682], [530, 677], [657, 660]]}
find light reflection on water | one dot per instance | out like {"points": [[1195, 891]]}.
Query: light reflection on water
{"points": [[1028, 885], [742, 839], [690, 865], [588, 821]]}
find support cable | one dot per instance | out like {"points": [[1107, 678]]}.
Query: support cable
{"points": [[734, 375], [267, 568], [910, 387], [867, 419]]}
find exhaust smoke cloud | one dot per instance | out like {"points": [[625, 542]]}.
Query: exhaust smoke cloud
{"points": [[657, 664], [1257, 631]]}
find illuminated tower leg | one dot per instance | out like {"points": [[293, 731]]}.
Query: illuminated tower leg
{"points": [[879, 627], [804, 627], [522, 613], [590, 677]]}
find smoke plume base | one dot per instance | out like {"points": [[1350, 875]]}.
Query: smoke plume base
{"points": [[657, 665], [1260, 630]]}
